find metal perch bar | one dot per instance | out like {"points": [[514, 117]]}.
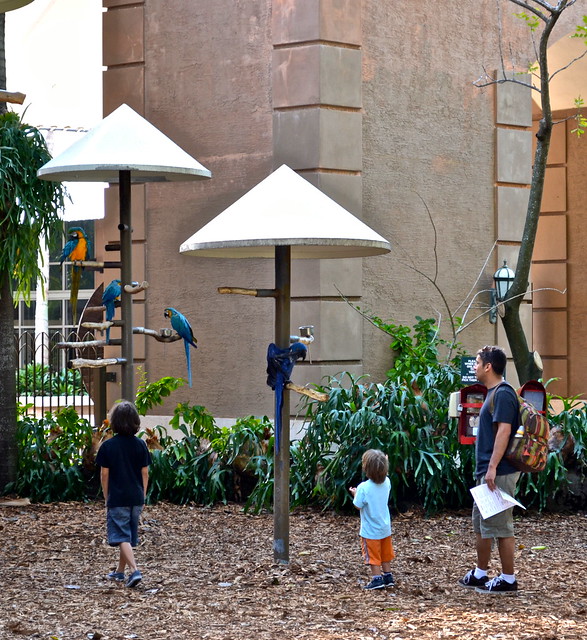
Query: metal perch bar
{"points": [[311, 393], [259, 293], [78, 363]]}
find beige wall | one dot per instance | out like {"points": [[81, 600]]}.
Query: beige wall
{"points": [[230, 82]]}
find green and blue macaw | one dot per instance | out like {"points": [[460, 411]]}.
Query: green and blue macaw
{"points": [[109, 297], [183, 328], [76, 248]]}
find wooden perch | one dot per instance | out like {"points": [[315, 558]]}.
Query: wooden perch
{"points": [[136, 288], [15, 97], [100, 326], [78, 363], [94, 264], [163, 335], [311, 393], [259, 293], [82, 345]]}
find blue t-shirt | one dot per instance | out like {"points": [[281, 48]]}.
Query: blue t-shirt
{"points": [[371, 499], [124, 457], [506, 408]]}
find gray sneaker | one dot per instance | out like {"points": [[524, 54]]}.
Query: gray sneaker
{"points": [[133, 579]]}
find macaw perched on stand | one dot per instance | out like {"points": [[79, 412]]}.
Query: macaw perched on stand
{"points": [[183, 328], [109, 297], [280, 364], [76, 248]]}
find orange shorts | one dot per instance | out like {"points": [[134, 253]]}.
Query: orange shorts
{"points": [[377, 551]]}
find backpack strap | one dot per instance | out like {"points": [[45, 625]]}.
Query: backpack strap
{"points": [[503, 383]]}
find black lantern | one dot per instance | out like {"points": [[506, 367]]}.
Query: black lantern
{"points": [[503, 278]]}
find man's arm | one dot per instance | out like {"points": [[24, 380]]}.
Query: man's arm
{"points": [[145, 474], [104, 477], [502, 438]]}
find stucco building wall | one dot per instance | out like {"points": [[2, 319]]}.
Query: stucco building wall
{"points": [[211, 76]]}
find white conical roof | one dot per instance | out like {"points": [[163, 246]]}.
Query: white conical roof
{"points": [[123, 141], [285, 209]]}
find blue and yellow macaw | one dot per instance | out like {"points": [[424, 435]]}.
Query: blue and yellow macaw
{"points": [[109, 297], [183, 328], [280, 364], [76, 248]]}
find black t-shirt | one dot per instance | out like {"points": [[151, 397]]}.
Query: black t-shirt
{"points": [[124, 457], [506, 408]]}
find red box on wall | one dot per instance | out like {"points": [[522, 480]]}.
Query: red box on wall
{"points": [[471, 401]]}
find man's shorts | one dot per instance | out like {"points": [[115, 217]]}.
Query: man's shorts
{"points": [[122, 525], [377, 551], [501, 525]]}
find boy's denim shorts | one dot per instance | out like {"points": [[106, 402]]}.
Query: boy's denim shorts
{"points": [[501, 525], [122, 525]]}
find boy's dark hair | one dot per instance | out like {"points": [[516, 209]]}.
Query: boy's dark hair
{"points": [[495, 356], [375, 465], [124, 418]]}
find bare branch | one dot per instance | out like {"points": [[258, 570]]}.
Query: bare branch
{"points": [[477, 280], [435, 245], [568, 65], [534, 10]]}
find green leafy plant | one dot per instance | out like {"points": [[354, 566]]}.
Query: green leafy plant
{"points": [[53, 457], [151, 394], [40, 380]]}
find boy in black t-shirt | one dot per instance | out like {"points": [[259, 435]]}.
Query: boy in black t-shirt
{"points": [[124, 461]]}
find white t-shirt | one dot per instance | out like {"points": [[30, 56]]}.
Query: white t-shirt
{"points": [[371, 499]]}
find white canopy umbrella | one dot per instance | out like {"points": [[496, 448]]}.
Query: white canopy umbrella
{"points": [[124, 148], [284, 217], [284, 209]]}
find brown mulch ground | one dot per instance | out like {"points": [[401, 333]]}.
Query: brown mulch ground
{"points": [[209, 573]]}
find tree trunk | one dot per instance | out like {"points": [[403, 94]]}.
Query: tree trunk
{"points": [[8, 464]]}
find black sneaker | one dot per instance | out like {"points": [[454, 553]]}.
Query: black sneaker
{"points": [[388, 580], [469, 581], [376, 583], [499, 586]]}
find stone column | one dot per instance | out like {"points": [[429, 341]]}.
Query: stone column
{"points": [[317, 130]]}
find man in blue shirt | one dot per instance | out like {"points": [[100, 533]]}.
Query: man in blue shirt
{"points": [[498, 421]]}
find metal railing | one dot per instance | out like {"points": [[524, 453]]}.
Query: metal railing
{"points": [[44, 382]]}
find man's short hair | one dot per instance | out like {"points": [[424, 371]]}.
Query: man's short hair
{"points": [[495, 356]]}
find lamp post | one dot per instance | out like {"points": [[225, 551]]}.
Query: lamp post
{"points": [[503, 278]]}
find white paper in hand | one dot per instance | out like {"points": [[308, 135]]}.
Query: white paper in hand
{"points": [[492, 502]]}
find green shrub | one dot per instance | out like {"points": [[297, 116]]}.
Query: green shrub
{"points": [[426, 462], [54, 457], [41, 380]]}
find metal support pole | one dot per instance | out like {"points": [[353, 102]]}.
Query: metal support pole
{"points": [[127, 371], [281, 479]]}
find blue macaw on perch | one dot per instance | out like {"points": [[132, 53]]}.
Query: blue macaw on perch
{"points": [[183, 328], [76, 248], [280, 364], [109, 297]]}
